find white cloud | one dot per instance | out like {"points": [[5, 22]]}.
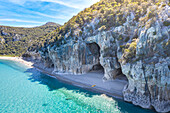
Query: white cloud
{"points": [[27, 26], [68, 4], [20, 2], [18, 20], [77, 4], [49, 16]]}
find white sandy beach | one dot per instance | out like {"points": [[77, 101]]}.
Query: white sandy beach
{"points": [[18, 59], [91, 81]]}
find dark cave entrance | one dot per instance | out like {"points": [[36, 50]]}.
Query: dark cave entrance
{"points": [[95, 50], [97, 71], [98, 68], [52, 65], [120, 75]]}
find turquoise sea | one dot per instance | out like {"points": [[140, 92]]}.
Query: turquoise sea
{"points": [[25, 90]]}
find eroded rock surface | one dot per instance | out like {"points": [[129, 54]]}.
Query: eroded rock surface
{"points": [[148, 75], [139, 50]]}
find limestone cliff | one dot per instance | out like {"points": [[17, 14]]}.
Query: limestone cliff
{"points": [[135, 44]]}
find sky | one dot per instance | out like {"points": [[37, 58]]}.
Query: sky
{"points": [[31, 13]]}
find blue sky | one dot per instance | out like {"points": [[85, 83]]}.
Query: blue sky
{"points": [[30, 13]]}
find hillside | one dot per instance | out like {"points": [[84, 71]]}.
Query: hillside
{"points": [[16, 40]]}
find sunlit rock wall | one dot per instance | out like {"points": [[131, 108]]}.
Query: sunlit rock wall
{"points": [[141, 53], [81, 57]]}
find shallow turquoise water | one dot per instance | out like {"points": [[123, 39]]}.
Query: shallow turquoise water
{"points": [[24, 90]]}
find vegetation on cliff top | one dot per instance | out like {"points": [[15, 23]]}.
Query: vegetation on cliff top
{"points": [[105, 15]]}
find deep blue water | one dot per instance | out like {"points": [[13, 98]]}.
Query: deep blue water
{"points": [[25, 90]]}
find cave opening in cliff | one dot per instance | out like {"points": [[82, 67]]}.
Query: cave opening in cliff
{"points": [[95, 50], [52, 65], [98, 68], [120, 75]]}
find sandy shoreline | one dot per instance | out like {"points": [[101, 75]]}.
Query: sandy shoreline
{"points": [[91, 81], [86, 81], [19, 59]]}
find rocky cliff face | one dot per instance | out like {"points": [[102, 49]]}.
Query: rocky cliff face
{"points": [[139, 50], [85, 55]]}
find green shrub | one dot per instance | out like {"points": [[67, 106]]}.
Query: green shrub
{"points": [[120, 37], [163, 5], [158, 3], [127, 39], [102, 11], [80, 33], [166, 23], [154, 33], [130, 52], [150, 15]]}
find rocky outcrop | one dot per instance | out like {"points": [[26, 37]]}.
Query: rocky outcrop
{"points": [[3, 33], [138, 50], [2, 40], [148, 72], [16, 37]]}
